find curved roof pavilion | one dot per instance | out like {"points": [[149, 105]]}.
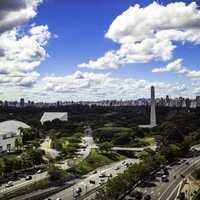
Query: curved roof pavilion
{"points": [[11, 126]]}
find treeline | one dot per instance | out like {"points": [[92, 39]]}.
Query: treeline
{"points": [[122, 115], [119, 136], [11, 163]]}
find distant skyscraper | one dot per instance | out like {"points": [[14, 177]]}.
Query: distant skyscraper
{"points": [[198, 101], [22, 102], [153, 107], [167, 101]]}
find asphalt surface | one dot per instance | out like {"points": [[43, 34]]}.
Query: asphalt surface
{"points": [[153, 147], [168, 190], [86, 186], [22, 183], [48, 150]]}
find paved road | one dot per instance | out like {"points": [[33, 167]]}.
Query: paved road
{"points": [[168, 190], [85, 184], [46, 146], [153, 147], [171, 191], [88, 142], [22, 183]]}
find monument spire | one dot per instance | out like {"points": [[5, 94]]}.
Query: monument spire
{"points": [[153, 108], [153, 111]]}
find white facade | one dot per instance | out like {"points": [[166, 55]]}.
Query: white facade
{"points": [[8, 133], [50, 116], [152, 112], [153, 108]]}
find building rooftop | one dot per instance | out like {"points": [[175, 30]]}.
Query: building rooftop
{"points": [[11, 126], [49, 116]]}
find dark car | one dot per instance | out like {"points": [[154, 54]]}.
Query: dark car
{"points": [[92, 182], [79, 190], [182, 176], [77, 195], [147, 197]]}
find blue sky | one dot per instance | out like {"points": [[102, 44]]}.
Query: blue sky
{"points": [[81, 26], [60, 49]]}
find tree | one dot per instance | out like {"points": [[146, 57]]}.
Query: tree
{"points": [[106, 146], [2, 167], [18, 142], [171, 152], [55, 173]]}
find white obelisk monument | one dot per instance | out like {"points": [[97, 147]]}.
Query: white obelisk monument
{"points": [[153, 108], [153, 111]]}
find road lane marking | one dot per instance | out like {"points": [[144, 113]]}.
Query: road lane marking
{"points": [[194, 163]]}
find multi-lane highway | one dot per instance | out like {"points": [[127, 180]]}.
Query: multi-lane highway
{"points": [[93, 180], [21, 183], [168, 190]]}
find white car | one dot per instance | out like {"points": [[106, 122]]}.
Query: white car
{"points": [[9, 184]]}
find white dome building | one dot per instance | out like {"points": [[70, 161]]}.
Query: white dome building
{"points": [[8, 132]]}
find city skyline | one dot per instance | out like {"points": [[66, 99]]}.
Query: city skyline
{"points": [[74, 55]]}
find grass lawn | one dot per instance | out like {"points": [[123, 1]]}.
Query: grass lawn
{"points": [[150, 140], [64, 141], [95, 160], [196, 174], [115, 129]]}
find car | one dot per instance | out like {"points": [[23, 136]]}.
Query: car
{"points": [[127, 165], [164, 178], [76, 195], [182, 176], [78, 190], [166, 172], [92, 182], [39, 171], [159, 173], [28, 178], [94, 172], [102, 180], [58, 199], [102, 175], [174, 176], [109, 176], [117, 168], [147, 197], [187, 163], [9, 184], [136, 194]]}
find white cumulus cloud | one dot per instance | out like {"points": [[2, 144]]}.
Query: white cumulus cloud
{"points": [[14, 13], [100, 86], [175, 66], [23, 53], [149, 33]]}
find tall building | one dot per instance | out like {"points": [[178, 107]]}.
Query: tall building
{"points": [[153, 111], [198, 101], [22, 102], [153, 107]]}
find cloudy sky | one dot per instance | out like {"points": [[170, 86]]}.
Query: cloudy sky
{"points": [[98, 49]]}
